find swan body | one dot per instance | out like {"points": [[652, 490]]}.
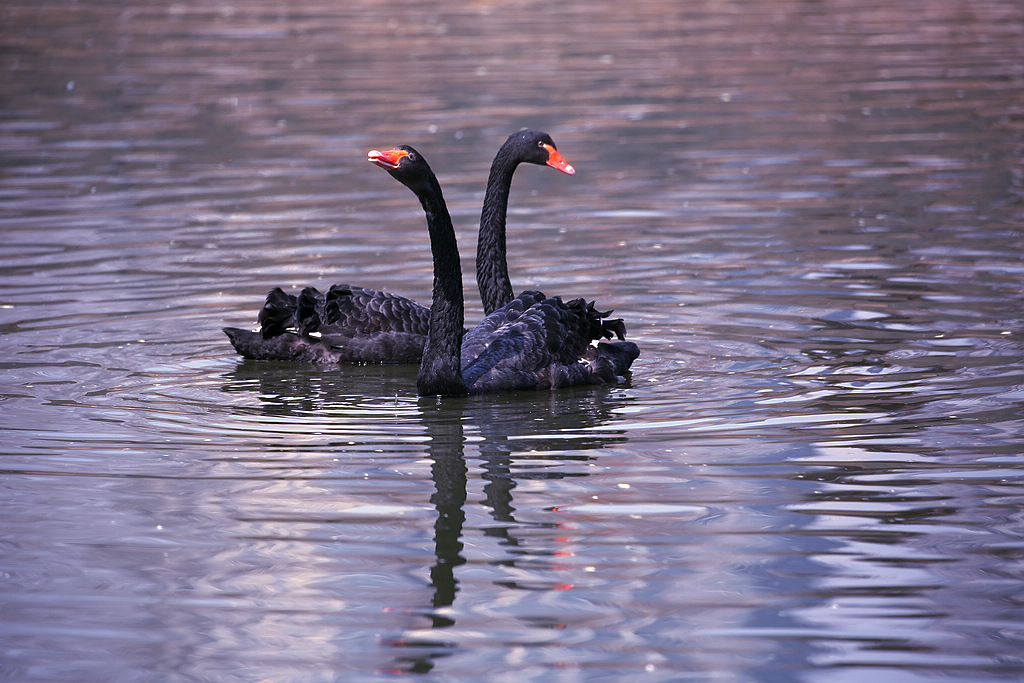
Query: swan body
{"points": [[532, 342], [346, 324], [355, 324]]}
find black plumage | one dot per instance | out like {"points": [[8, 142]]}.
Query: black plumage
{"points": [[533, 342], [349, 323]]}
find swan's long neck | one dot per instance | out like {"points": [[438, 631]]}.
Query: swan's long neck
{"points": [[491, 254], [440, 370]]}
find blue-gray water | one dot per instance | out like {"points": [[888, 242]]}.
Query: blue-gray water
{"points": [[808, 213]]}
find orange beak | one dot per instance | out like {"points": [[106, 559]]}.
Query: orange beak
{"points": [[389, 159], [556, 161]]}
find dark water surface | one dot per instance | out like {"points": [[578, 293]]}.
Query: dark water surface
{"points": [[809, 214]]}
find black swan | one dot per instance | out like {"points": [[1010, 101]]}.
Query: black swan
{"points": [[531, 343], [528, 146], [354, 324]]}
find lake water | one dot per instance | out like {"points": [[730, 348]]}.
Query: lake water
{"points": [[810, 215]]}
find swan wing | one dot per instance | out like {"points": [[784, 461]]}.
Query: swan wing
{"points": [[365, 311]]}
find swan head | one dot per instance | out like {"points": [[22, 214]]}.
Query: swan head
{"points": [[405, 165], [537, 147]]}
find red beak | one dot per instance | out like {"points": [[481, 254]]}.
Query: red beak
{"points": [[389, 159], [555, 160]]}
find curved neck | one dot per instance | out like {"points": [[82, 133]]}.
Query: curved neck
{"points": [[440, 370], [491, 254]]}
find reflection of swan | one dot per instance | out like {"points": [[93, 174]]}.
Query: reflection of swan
{"points": [[444, 424], [537, 421], [370, 325], [531, 343], [495, 440], [294, 391]]}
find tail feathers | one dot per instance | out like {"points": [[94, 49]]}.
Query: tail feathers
{"points": [[283, 312], [286, 346], [277, 314], [240, 339], [257, 347], [605, 327], [614, 326], [308, 310], [594, 323]]}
